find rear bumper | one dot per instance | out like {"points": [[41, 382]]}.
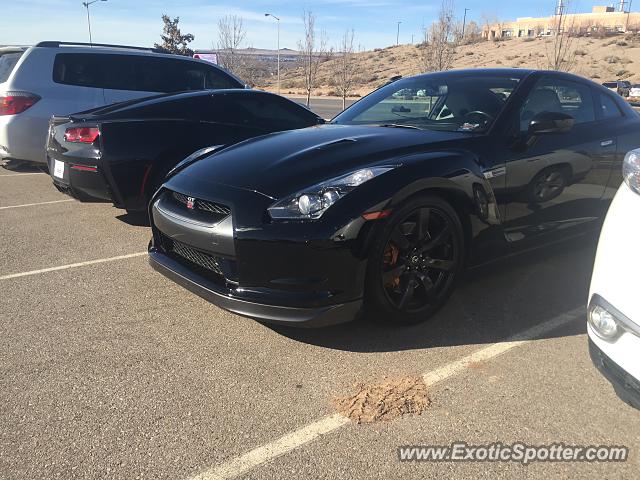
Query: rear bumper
{"points": [[83, 185], [624, 384], [224, 298], [23, 137]]}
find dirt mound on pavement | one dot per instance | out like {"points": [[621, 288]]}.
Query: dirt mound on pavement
{"points": [[384, 401]]}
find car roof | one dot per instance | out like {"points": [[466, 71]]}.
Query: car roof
{"points": [[484, 72]]}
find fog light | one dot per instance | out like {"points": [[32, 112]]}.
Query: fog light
{"points": [[603, 322]]}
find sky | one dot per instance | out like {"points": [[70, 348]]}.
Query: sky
{"points": [[138, 22]]}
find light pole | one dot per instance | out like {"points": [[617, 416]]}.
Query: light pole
{"points": [[86, 5], [278, 20], [398, 35], [464, 21]]}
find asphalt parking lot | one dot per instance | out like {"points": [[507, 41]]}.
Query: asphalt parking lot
{"points": [[109, 370]]}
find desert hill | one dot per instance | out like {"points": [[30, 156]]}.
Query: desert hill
{"points": [[600, 59]]}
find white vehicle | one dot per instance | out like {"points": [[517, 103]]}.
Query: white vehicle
{"points": [[56, 78], [634, 92], [614, 310]]}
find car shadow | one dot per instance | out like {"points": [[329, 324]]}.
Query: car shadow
{"points": [[492, 302], [135, 219], [23, 167]]}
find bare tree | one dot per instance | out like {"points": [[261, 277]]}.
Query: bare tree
{"points": [[440, 43], [313, 51], [231, 34], [346, 67], [560, 53]]}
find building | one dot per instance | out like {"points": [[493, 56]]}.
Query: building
{"points": [[601, 20]]}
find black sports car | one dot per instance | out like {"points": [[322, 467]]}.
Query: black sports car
{"points": [[121, 153], [384, 207]]}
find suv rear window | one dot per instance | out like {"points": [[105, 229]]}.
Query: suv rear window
{"points": [[611, 84], [138, 73], [7, 62]]}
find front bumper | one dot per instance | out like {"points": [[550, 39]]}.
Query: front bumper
{"points": [[221, 296], [625, 385], [221, 248]]}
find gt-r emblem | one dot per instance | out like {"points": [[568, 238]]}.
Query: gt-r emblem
{"points": [[191, 203]]}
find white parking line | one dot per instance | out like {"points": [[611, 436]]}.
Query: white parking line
{"points": [[39, 203], [71, 265], [242, 464]]}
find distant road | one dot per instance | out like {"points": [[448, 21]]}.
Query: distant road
{"points": [[325, 107]]}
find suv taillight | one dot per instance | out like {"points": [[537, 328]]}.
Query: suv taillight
{"points": [[12, 103], [81, 134]]}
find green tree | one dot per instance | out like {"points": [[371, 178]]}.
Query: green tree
{"points": [[172, 39]]}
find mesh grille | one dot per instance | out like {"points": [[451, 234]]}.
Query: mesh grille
{"points": [[204, 205], [204, 260]]}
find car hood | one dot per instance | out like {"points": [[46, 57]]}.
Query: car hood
{"points": [[282, 163]]}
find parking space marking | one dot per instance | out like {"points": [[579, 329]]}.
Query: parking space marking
{"points": [[36, 204], [242, 464], [72, 265]]}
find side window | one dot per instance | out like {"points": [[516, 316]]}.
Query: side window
{"points": [[138, 73], [558, 95], [264, 111], [215, 79], [609, 107], [273, 112], [84, 70]]}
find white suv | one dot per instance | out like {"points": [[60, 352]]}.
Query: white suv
{"points": [[614, 307], [55, 78]]}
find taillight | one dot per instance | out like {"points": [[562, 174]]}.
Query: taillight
{"points": [[12, 103], [81, 134]]}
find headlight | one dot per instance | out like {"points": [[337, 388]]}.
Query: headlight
{"points": [[312, 202], [603, 322], [631, 170]]}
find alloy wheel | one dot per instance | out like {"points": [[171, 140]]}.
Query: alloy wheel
{"points": [[420, 259]]}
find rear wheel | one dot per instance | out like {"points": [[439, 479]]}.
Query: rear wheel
{"points": [[414, 262]]}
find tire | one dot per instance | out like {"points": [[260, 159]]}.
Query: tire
{"points": [[412, 270]]}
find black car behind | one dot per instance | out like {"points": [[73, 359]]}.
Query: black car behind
{"points": [[121, 153], [384, 208]]}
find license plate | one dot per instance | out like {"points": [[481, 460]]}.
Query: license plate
{"points": [[58, 169]]}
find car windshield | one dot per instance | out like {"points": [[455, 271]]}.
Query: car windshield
{"points": [[611, 84], [447, 102]]}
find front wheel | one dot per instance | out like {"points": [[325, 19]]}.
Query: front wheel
{"points": [[414, 262]]}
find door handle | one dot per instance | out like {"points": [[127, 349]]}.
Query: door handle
{"points": [[606, 143]]}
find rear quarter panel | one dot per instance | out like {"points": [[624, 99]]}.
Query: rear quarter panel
{"points": [[135, 151]]}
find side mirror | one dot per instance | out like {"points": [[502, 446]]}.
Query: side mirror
{"points": [[550, 122]]}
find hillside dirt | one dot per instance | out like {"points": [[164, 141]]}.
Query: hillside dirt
{"points": [[601, 60]]}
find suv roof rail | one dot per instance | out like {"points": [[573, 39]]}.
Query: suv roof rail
{"points": [[56, 44]]}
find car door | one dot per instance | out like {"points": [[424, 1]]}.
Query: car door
{"points": [[556, 181], [625, 132]]}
